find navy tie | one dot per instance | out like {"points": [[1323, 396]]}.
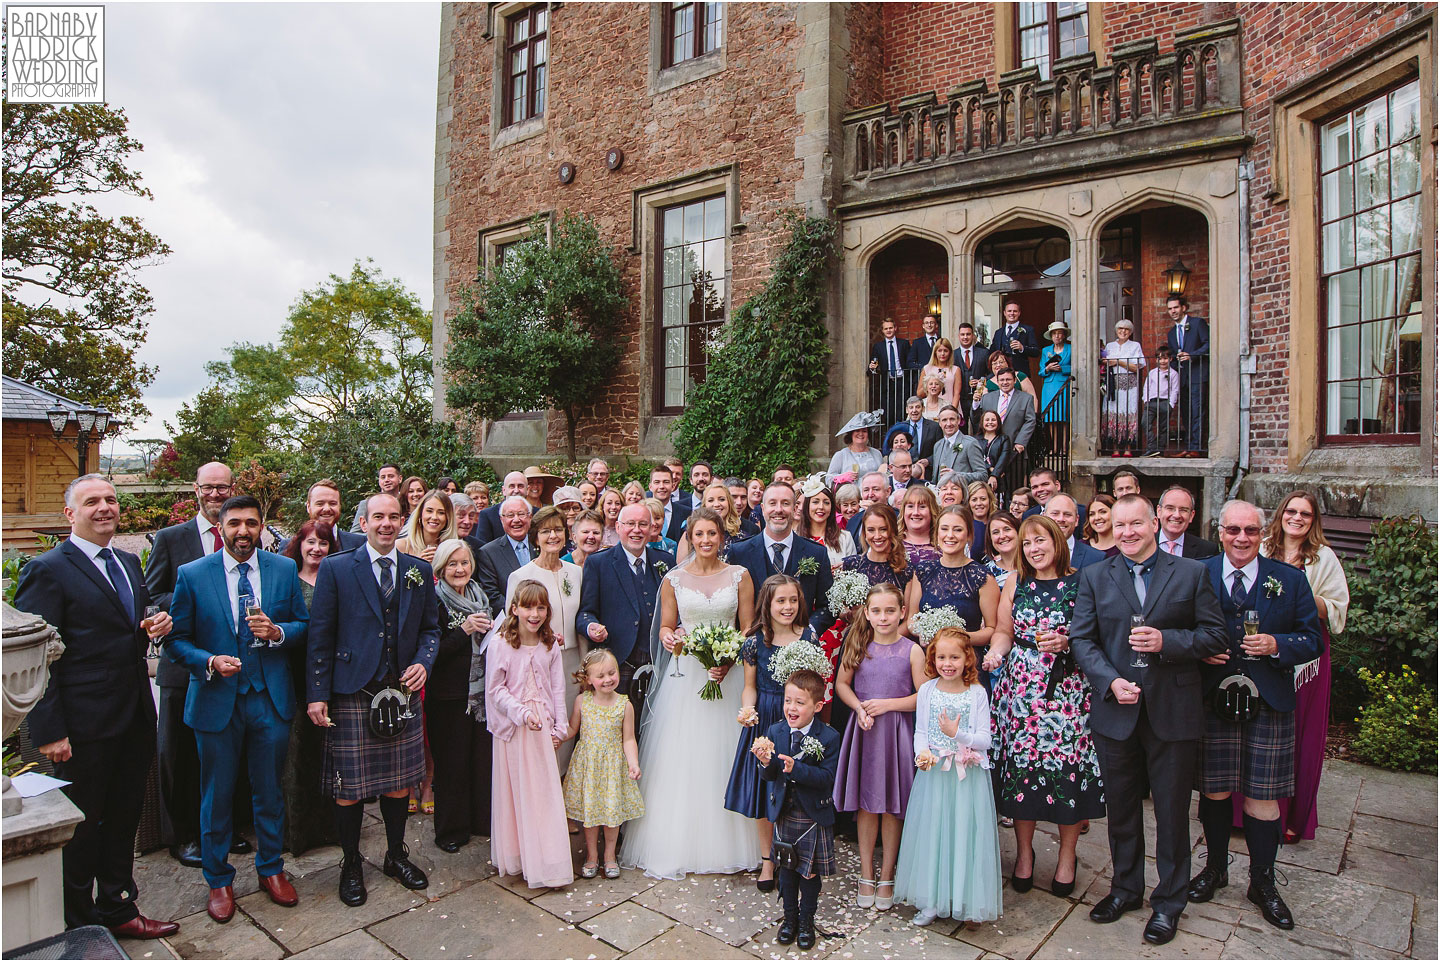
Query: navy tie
{"points": [[387, 580], [779, 550], [796, 737], [245, 592], [121, 583], [1237, 591], [894, 360]]}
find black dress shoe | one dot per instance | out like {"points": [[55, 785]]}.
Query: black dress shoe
{"points": [[352, 880], [786, 935], [1161, 928], [1272, 906], [241, 846], [1028, 882], [1203, 886], [805, 941], [1112, 906], [404, 871], [449, 845], [187, 853]]}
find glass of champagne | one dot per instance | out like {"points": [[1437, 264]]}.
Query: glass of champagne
{"points": [[677, 652], [1139, 659], [1252, 627], [252, 608], [145, 623], [406, 713]]}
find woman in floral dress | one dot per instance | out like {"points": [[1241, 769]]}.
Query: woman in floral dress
{"points": [[1045, 760]]}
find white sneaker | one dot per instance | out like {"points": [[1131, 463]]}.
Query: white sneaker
{"points": [[923, 917]]}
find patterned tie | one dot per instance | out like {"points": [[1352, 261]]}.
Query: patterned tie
{"points": [[121, 583], [387, 580], [639, 569], [1237, 590], [779, 551], [522, 551], [242, 627], [1004, 406], [215, 534], [796, 737]]}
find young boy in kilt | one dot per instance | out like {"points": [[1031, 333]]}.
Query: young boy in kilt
{"points": [[798, 756]]}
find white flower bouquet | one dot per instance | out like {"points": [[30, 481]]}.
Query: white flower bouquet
{"points": [[847, 591], [927, 621], [714, 646], [796, 656]]}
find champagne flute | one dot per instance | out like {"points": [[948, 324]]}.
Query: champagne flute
{"points": [[1140, 659], [252, 609], [151, 611], [406, 713], [676, 653], [1251, 627]]}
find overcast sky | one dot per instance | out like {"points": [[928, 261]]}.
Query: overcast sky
{"points": [[282, 142]]}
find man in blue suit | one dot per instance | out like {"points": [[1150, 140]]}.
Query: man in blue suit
{"points": [[677, 510], [1015, 340], [241, 698], [1189, 341], [779, 549], [617, 596], [1254, 756], [373, 626], [1061, 509]]}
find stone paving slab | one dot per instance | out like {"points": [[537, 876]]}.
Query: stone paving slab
{"points": [[686, 943], [321, 916], [352, 945], [1404, 802], [1078, 937], [892, 936], [590, 897], [201, 937], [1399, 837], [723, 906], [629, 926]]}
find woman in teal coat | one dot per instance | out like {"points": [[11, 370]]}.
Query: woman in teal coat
{"points": [[1055, 369]]}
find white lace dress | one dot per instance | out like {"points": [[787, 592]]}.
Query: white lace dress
{"points": [[686, 752]]}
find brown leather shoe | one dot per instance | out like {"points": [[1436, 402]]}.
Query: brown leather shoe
{"points": [[142, 928], [222, 904], [279, 889]]}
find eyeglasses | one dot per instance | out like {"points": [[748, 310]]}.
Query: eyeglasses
{"points": [[1235, 531], [213, 488]]}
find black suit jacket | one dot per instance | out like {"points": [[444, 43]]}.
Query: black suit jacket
{"points": [[977, 368], [1029, 346], [920, 351], [493, 567], [1282, 596], [930, 433], [174, 546], [902, 351], [1198, 548], [100, 684], [1181, 602], [680, 509]]}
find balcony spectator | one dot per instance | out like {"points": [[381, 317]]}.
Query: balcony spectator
{"points": [[1055, 385], [1015, 407], [971, 357], [1189, 340], [932, 396], [1123, 360], [857, 457], [923, 346], [1160, 396], [997, 447], [1015, 340], [889, 360], [921, 434], [942, 362]]}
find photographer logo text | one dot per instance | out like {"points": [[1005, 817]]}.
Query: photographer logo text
{"points": [[55, 54]]}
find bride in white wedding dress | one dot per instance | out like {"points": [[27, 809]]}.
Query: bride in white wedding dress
{"points": [[686, 744]]}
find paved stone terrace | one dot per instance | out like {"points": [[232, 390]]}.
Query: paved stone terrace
{"points": [[1365, 888]]}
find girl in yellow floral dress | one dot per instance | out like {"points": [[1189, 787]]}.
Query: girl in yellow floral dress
{"points": [[600, 785]]}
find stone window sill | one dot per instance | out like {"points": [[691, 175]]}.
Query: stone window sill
{"points": [[517, 132]]}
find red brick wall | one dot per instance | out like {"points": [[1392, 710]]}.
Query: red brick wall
{"points": [[1166, 234], [598, 99], [1128, 22], [866, 65], [1285, 44], [937, 46], [900, 278]]}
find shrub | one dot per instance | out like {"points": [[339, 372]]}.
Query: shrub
{"points": [[1398, 727], [146, 512], [183, 510]]}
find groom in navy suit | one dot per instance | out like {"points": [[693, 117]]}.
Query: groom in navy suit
{"points": [[780, 549], [1255, 757], [617, 596], [241, 697]]}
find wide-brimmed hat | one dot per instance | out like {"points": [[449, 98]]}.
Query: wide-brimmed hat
{"points": [[1057, 326], [551, 482], [864, 420], [566, 495]]}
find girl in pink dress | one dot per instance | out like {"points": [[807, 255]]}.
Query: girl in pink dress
{"points": [[525, 711]]}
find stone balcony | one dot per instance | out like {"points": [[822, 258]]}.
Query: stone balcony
{"points": [[1142, 107]]}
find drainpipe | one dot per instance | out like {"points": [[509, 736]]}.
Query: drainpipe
{"points": [[1247, 358]]}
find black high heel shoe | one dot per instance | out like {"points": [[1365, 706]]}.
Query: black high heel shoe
{"points": [[1026, 883], [1063, 889], [765, 884]]}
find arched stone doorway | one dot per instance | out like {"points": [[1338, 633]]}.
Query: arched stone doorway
{"points": [[905, 276]]}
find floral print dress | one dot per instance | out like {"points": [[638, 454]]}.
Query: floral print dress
{"points": [[1043, 755]]}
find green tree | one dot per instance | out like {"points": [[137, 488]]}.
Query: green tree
{"points": [[346, 338], [75, 313], [544, 329], [766, 369]]}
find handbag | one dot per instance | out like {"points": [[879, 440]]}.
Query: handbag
{"points": [[784, 855], [1236, 699]]}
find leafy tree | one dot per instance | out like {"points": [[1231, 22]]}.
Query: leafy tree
{"points": [[376, 429], [347, 337], [264, 485], [766, 368], [543, 329], [75, 312], [212, 427]]}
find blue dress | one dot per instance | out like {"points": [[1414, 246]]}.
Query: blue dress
{"points": [[1054, 382], [876, 572], [960, 589], [745, 794]]}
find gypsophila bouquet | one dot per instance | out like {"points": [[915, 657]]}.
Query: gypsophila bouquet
{"points": [[714, 646], [848, 591], [926, 622], [413, 578], [796, 656]]}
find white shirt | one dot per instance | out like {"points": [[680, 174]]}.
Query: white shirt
{"points": [[1248, 573], [207, 539], [787, 543], [92, 551], [1070, 544], [634, 557], [394, 557]]}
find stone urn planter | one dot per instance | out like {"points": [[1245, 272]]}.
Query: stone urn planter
{"points": [[30, 645]]}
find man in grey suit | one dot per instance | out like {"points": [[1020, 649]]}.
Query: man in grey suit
{"points": [[1181, 624], [506, 553], [1016, 410], [957, 452]]}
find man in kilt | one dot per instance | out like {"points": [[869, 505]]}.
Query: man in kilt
{"points": [[798, 758], [1252, 753], [373, 625]]}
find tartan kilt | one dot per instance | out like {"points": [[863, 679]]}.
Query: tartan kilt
{"points": [[1254, 758], [358, 764], [816, 849]]}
